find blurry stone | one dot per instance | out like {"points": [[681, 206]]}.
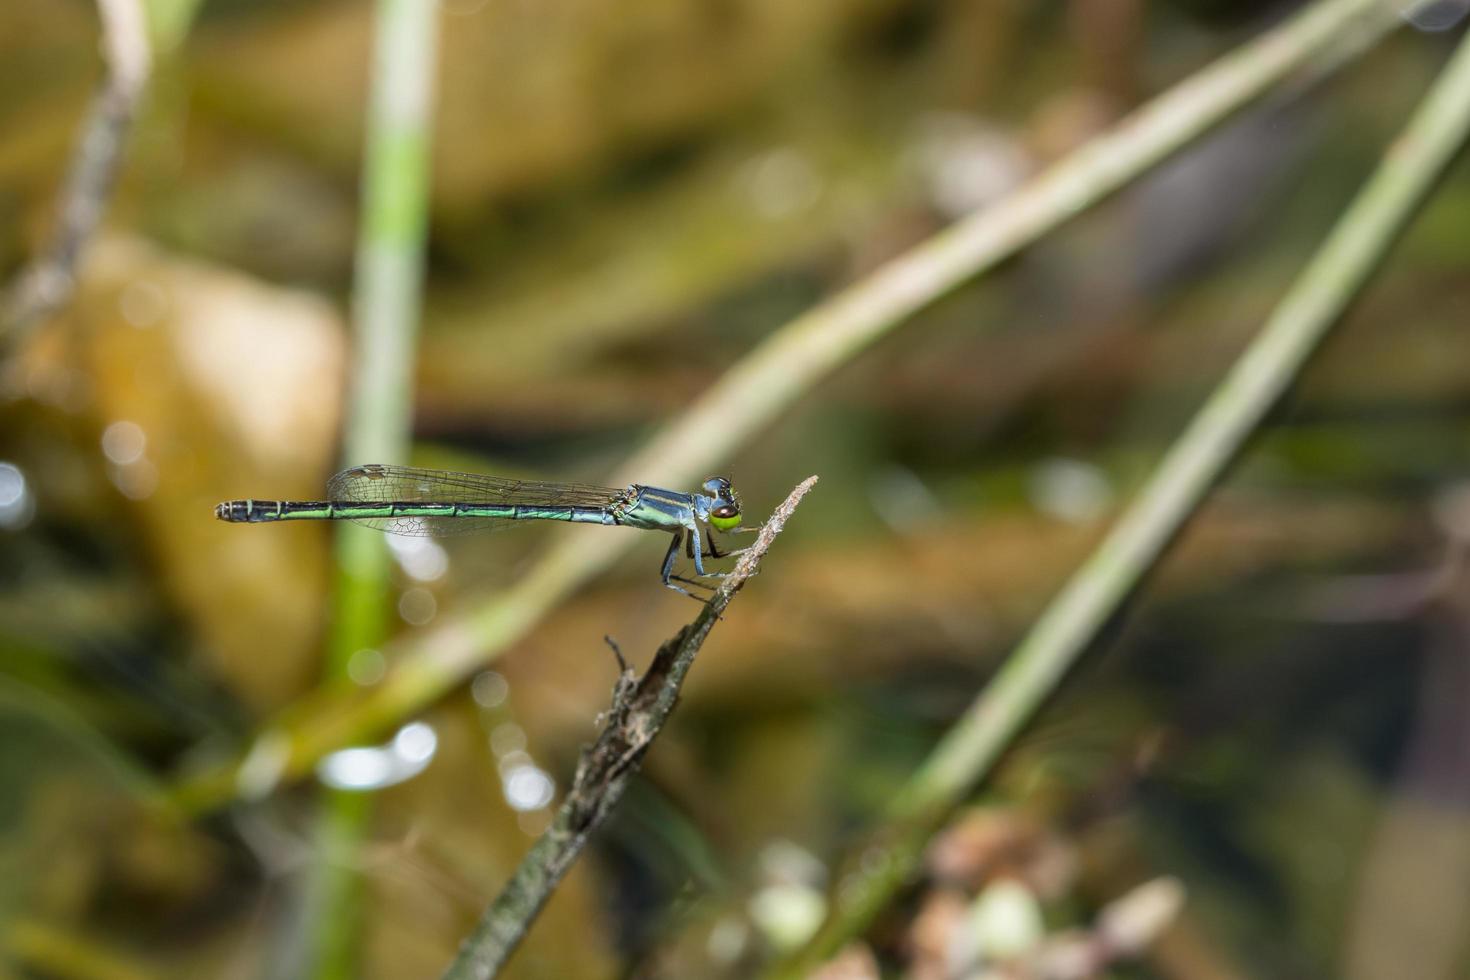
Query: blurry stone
{"points": [[1450, 508], [788, 914], [1070, 489], [1005, 923], [970, 849], [1071, 955], [787, 862], [207, 385], [728, 940], [941, 915], [965, 164], [986, 843], [1129, 924]]}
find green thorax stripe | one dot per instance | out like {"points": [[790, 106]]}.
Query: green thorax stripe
{"points": [[657, 509]]}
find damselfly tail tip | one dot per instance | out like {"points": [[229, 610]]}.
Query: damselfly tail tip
{"points": [[231, 510]]}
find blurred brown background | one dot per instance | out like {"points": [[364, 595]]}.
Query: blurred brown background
{"points": [[625, 199]]}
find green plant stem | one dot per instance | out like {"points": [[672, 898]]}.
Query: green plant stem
{"points": [[100, 752], [1337, 274], [387, 291], [797, 356], [169, 22], [641, 706]]}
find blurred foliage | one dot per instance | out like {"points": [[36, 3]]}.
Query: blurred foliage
{"points": [[626, 198]]}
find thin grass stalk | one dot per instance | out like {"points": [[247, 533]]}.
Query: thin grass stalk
{"points": [[387, 295], [169, 22], [1336, 275]]}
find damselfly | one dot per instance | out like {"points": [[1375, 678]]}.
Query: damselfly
{"points": [[405, 500]]}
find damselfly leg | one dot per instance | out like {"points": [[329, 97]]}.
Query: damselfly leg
{"points": [[681, 536]]}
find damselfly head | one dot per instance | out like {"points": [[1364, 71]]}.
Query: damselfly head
{"points": [[724, 514]]}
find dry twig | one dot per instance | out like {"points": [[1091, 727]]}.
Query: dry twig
{"points": [[45, 285], [640, 706]]}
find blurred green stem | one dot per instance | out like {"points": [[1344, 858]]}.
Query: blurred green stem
{"points": [[387, 290], [387, 287], [169, 22], [99, 751], [797, 356], [1336, 275]]}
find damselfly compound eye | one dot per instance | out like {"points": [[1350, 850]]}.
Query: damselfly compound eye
{"points": [[725, 517]]}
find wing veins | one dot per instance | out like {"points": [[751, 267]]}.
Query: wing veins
{"points": [[381, 483]]}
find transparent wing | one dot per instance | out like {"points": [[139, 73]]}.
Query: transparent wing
{"points": [[380, 483]]}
